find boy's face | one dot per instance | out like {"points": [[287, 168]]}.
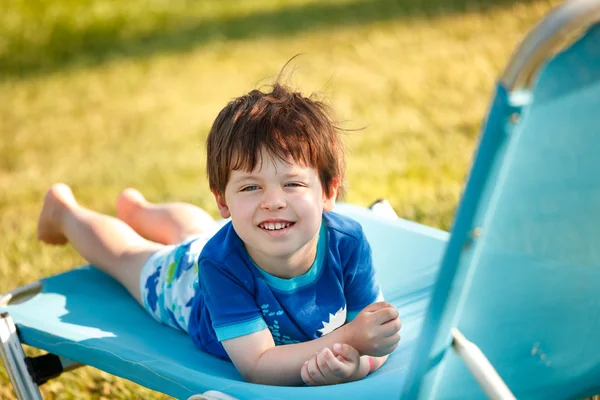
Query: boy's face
{"points": [[276, 209]]}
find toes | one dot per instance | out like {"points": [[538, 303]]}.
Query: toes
{"points": [[57, 198], [132, 195], [128, 200]]}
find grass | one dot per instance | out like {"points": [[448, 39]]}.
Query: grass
{"points": [[105, 94]]}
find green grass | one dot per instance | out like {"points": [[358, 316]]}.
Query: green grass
{"points": [[105, 94]]}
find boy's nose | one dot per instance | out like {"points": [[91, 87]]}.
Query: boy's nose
{"points": [[273, 200]]}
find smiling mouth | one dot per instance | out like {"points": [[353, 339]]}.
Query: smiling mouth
{"points": [[275, 226]]}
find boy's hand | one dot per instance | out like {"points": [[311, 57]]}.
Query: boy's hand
{"points": [[328, 368], [376, 330]]}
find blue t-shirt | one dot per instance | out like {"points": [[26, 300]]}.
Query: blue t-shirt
{"points": [[236, 298]]}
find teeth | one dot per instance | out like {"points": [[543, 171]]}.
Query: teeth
{"points": [[275, 226]]}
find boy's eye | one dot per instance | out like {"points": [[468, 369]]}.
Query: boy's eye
{"points": [[294, 184], [249, 188]]}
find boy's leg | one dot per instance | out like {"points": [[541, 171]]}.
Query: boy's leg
{"points": [[167, 223], [104, 241]]}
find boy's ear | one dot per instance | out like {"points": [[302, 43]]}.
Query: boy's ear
{"points": [[329, 201], [223, 209]]}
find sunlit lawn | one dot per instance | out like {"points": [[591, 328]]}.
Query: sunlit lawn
{"points": [[106, 94]]}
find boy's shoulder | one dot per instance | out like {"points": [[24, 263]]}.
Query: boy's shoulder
{"points": [[223, 245], [343, 227], [346, 241]]}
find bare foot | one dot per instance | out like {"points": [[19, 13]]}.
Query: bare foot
{"points": [[129, 201], [59, 198]]}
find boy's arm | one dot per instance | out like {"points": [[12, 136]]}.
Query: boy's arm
{"points": [[374, 332], [343, 364], [259, 361]]}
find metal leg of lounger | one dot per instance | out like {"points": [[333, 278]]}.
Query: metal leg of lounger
{"points": [[38, 369], [14, 361], [481, 368]]}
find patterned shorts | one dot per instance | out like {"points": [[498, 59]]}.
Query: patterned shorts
{"points": [[169, 280]]}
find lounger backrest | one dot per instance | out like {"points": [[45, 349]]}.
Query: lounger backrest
{"points": [[521, 277]]}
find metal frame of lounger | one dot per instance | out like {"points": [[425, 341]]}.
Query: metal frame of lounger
{"points": [[558, 30]]}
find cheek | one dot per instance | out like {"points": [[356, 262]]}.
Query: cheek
{"points": [[242, 208], [311, 202]]}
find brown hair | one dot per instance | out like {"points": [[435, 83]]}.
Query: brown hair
{"points": [[287, 125]]}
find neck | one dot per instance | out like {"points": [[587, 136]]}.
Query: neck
{"points": [[288, 267]]}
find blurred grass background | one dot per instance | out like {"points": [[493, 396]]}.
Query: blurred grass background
{"points": [[106, 94]]}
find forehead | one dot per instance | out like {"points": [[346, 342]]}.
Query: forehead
{"points": [[267, 166], [263, 159]]}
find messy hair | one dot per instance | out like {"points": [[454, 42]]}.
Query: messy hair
{"points": [[287, 125]]}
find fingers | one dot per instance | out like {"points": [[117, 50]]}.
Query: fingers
{"points": [[391, 327], [385, 314], [317, 371], [325, 368], [346, 351], [306, 378], [385, 346], [348, 361], [310, 372], [375, 329], [377, 306], [331, 368]]}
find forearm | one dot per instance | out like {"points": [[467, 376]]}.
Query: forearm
{"points": [[281, 365]]}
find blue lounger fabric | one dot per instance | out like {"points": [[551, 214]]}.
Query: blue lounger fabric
{"points": [[85, 315]]}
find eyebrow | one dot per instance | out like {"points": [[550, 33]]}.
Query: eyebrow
{"points": [[245, 178], [257, 178], [294, 175]]}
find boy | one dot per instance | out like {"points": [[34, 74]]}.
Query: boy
{"points": [[271, 290]]}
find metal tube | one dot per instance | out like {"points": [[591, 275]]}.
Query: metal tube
{"points": [[13, 358], [481, 368], [20, 294], [558, 30]]}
